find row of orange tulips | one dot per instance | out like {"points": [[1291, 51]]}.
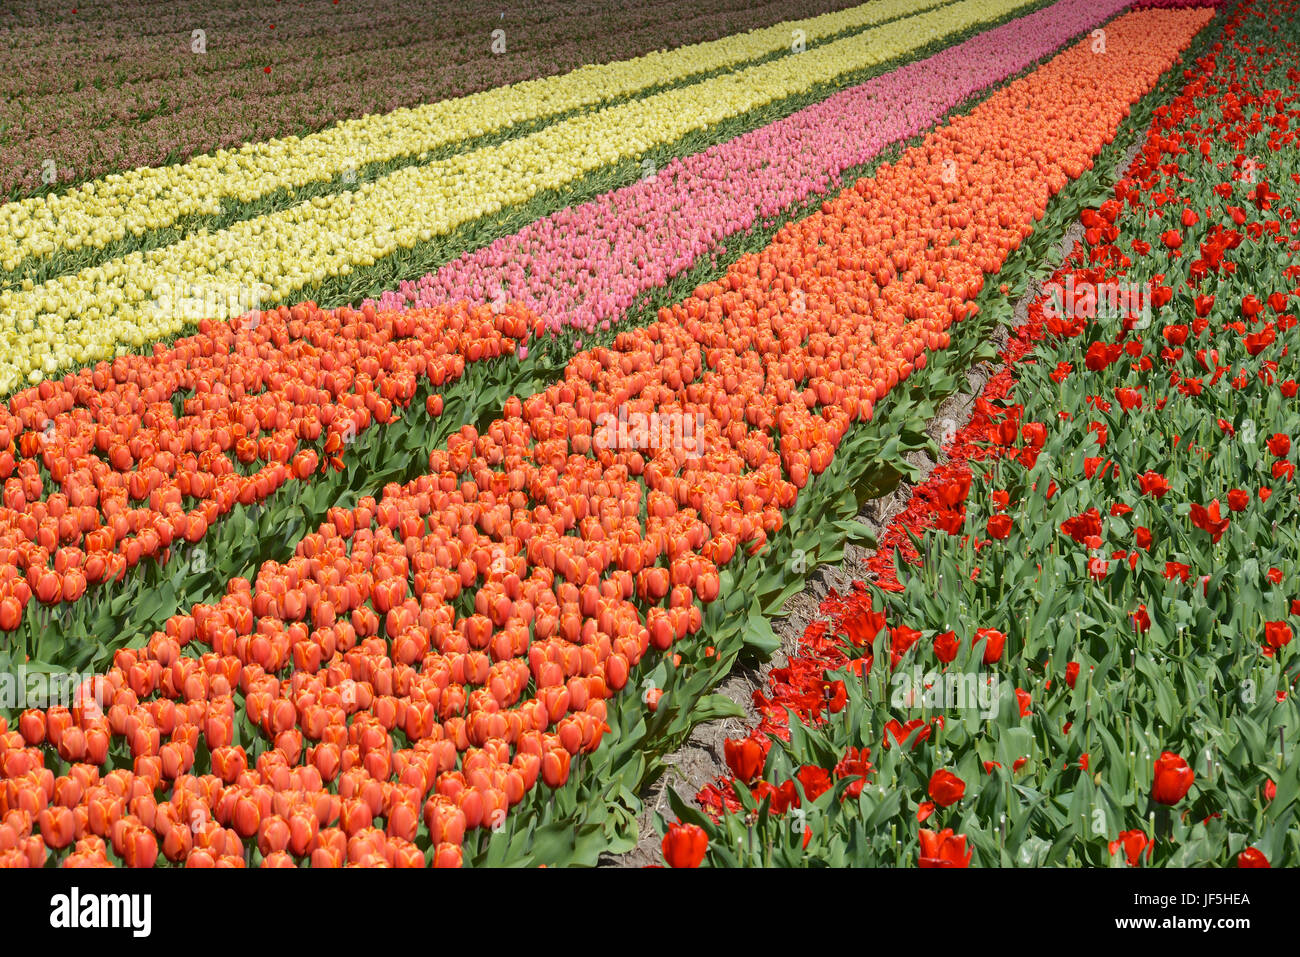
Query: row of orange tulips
{"points": [[100, 471]]}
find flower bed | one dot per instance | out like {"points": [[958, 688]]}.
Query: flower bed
{"points": [[448, 645]]}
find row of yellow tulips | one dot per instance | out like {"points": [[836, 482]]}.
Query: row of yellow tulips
{"points": [[146, 199]]}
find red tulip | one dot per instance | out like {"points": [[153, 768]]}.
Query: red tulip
{"points": [[31, 725], [946, 788], [323, 857], [1252, 857], [11, 613], [1134, 844], [447, 855], [49, 588], [445, 821], [140, 847], [943, 849], [245, 816], [58, 827], [901, 732], [555, 768], [273, 834], [685, 845], [1153, 484], [994, 641], [303, 829], [403, 820], [1277, 634], [745, 758], [999, 526], [1173, 777], [815, 780], [946, 646], [1209, 519]]}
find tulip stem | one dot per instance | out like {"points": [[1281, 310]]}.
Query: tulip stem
{"points": [[1164, 825]]}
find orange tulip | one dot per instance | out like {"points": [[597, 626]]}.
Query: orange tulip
{"points": [[555, 768]]}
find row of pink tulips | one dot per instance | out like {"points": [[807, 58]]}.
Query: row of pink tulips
{"points": [[586, 265]]}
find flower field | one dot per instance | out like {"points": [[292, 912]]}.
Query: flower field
{"points": [[400, 467]]}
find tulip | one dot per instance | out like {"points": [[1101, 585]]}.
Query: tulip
{"points": [[745, 758], [1277, 634], [1172, 779], [273, 835], [31, 725], [1208, 519], [140, 847], [326, 857], [447, 855], [246, 817], [1134, 844], [994, 641], [946, 788], [58, 827], [943, 849], [445, 821], [403, 821], [555, 768], [684, 845], [11, 613]]}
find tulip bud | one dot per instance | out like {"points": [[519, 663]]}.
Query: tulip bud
{"points": [[31, 725], [406, 854], [58, 827], [245, 817], [685, 845], [1172, 778], [141, 847], [303, 830], [326, 857], [403, 821], [555, 768], [447, 855], [273, 835]]}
